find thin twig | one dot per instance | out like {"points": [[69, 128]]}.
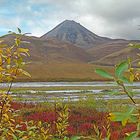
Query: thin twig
{"points": [[125, 90], [9, 89]]}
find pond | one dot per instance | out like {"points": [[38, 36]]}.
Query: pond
{"points": [[100, 90], [60, 84]]}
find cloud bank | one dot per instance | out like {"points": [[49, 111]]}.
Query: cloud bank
{"points": [[110, 18]]}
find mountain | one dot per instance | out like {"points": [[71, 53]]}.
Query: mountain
{"points": [[70, 52], [74, 33], [102, 50], [50, 50], [54, 60], [113, 52]]}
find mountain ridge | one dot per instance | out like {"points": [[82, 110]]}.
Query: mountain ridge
{"points": [[73, 32]]}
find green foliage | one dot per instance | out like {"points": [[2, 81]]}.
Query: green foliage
{"points": [[11, 66], [75, 138], [124, 117], [103, 73], [121, 68], [132, 136], [132, 114]]}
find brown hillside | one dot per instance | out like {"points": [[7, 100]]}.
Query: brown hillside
{"points": [[113, 52], [70, 52]]}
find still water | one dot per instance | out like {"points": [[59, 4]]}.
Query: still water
{"points": [[72, 94], [64, 84]]}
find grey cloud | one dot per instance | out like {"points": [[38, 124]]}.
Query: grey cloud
{"points": [[120, 17], [112, 18]]}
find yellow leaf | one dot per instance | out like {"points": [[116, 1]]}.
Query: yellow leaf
{"points": [[0, 60], [137, 75], [131, 77], [25, 73], [23, 50], [12, 129], [17, 41], [111, 116], [8, 60], [1, 69], [6, 116], [39, 123], [25, 138], [1, 41], [124, 122]]}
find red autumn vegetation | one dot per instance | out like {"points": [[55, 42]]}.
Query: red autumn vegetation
{"points": [[81, 121]]}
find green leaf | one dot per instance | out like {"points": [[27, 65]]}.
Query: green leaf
{"points": [[125, 79], [131, 136], [14, 137], [123, 117], [103, 73], [10, 32], [19, 30], [75, 138], [66, 138], [121, 68]]}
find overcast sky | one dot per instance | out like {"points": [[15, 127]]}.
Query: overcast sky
{"points": [[110, 18]]}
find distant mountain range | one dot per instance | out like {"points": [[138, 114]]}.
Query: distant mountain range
{"points": [[71, 52]]}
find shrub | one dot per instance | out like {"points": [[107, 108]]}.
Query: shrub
{"points": [[125, 73]]}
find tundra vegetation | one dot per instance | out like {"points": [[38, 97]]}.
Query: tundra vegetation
{"points": [[59, 120]]}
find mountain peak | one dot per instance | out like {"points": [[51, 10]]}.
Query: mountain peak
{"points": [[68, 24], [69, 21], [73, 32]]}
